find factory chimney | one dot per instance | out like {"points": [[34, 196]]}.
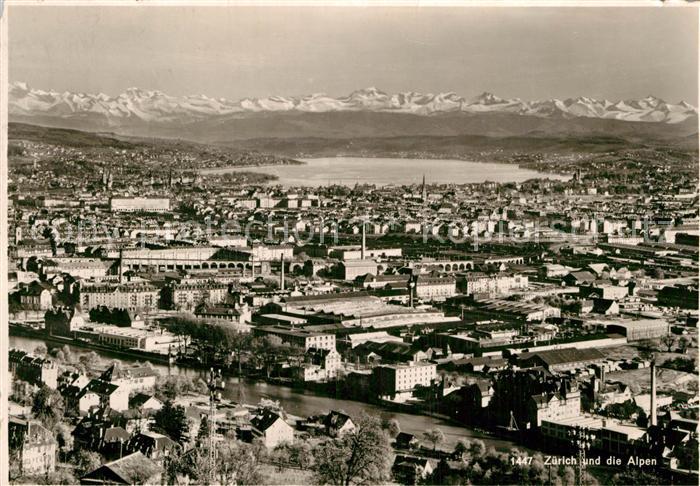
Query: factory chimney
{"points": [[121, 266], [411, 286], [364, 242], [282, 272], [652, 416]]}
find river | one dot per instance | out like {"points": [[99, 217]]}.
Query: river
{"points": [[302, 402], [384, 171]]}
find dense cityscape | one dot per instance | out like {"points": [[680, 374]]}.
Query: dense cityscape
{"points": [[229, 263], [530, 315]]}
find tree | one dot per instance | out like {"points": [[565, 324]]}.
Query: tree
{"points": [[60, 476], [236, 463], [646, 348], [633, 476], [642, 419], [477, 448], [176, 385], [683, 344], [362, 456], [298, 454], [21, 393], [172, 421], [91, 359], [391, 425], [48, 406], [434, 436], [492, 467], [625, 410], [240, 342], [40, 350], [680, 364], [668, 341], [461, 449], [64, 438], [240, 462], [203, 433], [85, 461]]}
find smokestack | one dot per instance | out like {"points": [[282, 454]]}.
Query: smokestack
{"points": [[362, 251], [121, 266], [282, 272], [652, 417]]}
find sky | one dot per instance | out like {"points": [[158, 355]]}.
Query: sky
{"points": [[531, 53]]}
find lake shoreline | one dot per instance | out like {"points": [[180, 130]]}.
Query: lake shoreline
{"points": [[397, 171]]}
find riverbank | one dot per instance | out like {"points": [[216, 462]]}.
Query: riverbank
{"points": [[15, 330], [302, 401]]}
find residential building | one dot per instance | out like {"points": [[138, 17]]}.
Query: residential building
{"points": [[397, 382], [320, 365], [32, 447], [188, 295], [136, 296], [272, 429], [97, 393], [492, 284], [338, 423], [33, 369], [132, 469], [36, 296], [435, 288]]}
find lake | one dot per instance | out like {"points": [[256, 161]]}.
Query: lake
{"points": [[385, 171]]}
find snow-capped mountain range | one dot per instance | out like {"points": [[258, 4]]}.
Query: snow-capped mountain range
{"points": [[136, 104]]}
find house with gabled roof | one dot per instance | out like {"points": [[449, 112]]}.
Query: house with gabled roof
{"points": [[579, 278], [338, 423], [101, 394], [409, 469], [145, 402], [270, 428], [153, 445], [132, 469]]}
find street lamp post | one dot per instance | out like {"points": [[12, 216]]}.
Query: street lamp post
{"points": [[215, 384]]}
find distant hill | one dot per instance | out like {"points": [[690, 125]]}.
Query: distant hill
{"points": [[64, 136], [363, 113]]}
